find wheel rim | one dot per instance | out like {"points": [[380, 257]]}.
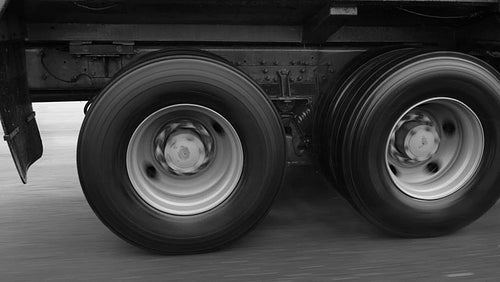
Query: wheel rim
{"points": [[184, 159], [434, 148]]}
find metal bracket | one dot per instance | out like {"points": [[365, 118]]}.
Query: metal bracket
{"points": [[284, 75], [30, 117], [10, 136], [87, 48]]}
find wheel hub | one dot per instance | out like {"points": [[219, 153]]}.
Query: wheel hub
{"points": [[184, 147], [417, 142], [185, 152]]}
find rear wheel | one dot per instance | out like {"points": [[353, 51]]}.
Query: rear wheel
{"points": [[415, 142], [181, 153]]}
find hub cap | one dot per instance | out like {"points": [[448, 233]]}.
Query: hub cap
{"points": [[435, 148], [184, 147], [184, 159]]}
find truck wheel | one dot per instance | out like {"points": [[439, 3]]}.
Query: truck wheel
{"points": [[181, 153], [418, 142]]}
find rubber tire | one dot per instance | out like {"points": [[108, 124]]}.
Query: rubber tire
{"points": [[157, 81], [392, 84], [329, 109]]}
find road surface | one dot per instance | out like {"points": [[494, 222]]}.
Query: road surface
{"points": [[49, 233]]}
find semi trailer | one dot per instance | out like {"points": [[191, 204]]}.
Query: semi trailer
{"points": [[195, 108]]}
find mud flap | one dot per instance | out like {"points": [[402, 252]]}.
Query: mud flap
{"points": [[16, 111]]}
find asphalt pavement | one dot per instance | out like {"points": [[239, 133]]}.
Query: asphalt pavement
{"points": [[49, 233]]}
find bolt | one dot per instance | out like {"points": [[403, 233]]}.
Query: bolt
{"points": [[262, 62], [268, 78], [299, 78], [218, 128], [276, 63], [238, 63], [275, 79], [303, 70], [292, 62], [331, 70], [265, 70]]}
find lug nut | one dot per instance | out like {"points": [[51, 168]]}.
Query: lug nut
{"points": [[432, 167], [151, 171], [449, 128], [393, 170]]}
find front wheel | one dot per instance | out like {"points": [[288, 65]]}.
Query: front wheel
{"points": [[181, 153]]}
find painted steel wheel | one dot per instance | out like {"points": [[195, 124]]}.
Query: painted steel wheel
{"points": [[435, 148], [414, 138], [181, 153], [185, 159]]}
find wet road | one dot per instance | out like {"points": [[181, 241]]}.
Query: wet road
{"points": [[48, 232]]}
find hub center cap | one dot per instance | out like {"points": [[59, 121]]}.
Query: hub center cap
{"points": [[184, 152], [421, 143], [417, 140], [184, 147]]}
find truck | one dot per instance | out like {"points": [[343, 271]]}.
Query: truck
{"points": [[195, 108]]}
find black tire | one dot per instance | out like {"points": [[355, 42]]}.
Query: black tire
{"points": [[143, 88], [368, 108], [330, 105]]}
